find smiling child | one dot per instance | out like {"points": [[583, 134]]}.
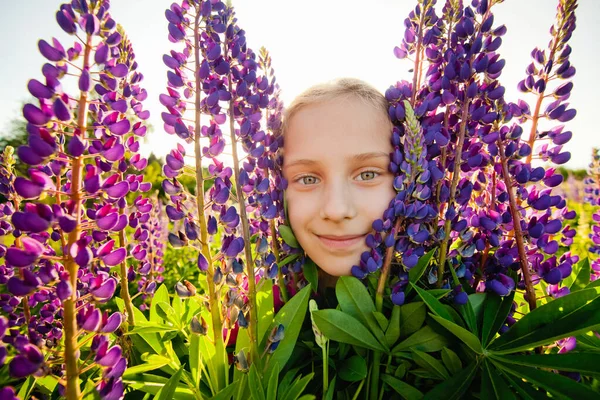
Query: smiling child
{"points": [[336, 156]]}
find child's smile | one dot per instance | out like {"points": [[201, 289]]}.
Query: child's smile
{"points": [[336, 163]]}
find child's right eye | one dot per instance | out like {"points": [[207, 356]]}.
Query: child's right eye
{"points": [[308, 180]]}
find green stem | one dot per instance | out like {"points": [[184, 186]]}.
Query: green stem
{"points": [[360, 386], [374, 387], [213, 293], [325, 352], [124, 281], [516, 217]]}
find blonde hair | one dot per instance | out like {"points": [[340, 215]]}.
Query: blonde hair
{"points": [[342, 88]]}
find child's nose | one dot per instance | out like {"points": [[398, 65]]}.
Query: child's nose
{"points": [[338, 203]]}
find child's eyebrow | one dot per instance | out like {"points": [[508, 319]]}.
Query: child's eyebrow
{"points": [[355, 158]]}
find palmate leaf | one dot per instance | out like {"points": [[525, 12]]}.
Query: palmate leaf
{"points": [[495, 311], [406, 391], [583, 276], [255, 384], [570, 315], [433, 303], [430, 363], [493, 385], [353, 369], [425, 339], [311, 274], [344, 328], [524, 389], [291, 316], [451, 361], [354, 300], [558, 385], [168, 390], [584, 363], [161, 295], [415, 273], [412, 317], [467, 337], [288, 236], [455, 387]]}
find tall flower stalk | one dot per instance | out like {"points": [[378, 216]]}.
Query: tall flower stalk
{"points": [[229, 93], [79, 148]]}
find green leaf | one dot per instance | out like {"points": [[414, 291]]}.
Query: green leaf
{"points": [[438, 293], [143, 342], [524, 389], [149, 364], [291, 316], [26, 387], [195, 358], [157, 328], [344, 328], [426, 361], [415, 273], [297, 387], [330, 389], [412, 317], [583, 276], [406, 391], [556, 384], [493, 385], [477, 301], [392, 334], [286, 382], [227, 392], [425, 339], [264, 304], [382, 320], [494, 315], [168, 390], [272, 386], [433, 303], [311, 274], [152, 384], [468, 314], [255, 384], [166, 312], [353, 369], [451, 361], [288, 236], [161, 295], [569, 315], [593, 284], [455, 387], [582, 362], [467, 337], [354, 300], [289, 259]]}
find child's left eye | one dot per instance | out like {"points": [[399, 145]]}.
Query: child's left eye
{"points": [[367, 175]]}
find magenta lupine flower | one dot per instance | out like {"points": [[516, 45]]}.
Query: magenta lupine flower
{"points": [[82, 148]]}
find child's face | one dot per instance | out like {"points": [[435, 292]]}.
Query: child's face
{"points": [[336, 160]]}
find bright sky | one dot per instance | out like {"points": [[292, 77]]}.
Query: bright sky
{"points": [[310, 41]]}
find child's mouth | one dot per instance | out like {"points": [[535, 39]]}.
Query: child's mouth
{"points": [[341, 242]]}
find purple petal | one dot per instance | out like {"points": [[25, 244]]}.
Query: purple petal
{"points": [[111, 357], [83, 256], [20, 367], [106, 290], [34, 115], [76, 146], [67, 223], [113, 322], [42, 147], [108, 222], [64, 290], [28, 156], [101, 53], [91, 23], [92, 321], [84, 81], [119, 70], [120, 128], [27, 189], [50, 52], [61, 111], [202, 263], [115, 258], [119, 190], [115, 153], [30, 222], [39, 90]]}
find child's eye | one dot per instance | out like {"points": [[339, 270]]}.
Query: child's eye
{"points": [[308, 180], [367, 175]]}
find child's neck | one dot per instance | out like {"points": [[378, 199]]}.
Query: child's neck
{"points": [[326, 280]]}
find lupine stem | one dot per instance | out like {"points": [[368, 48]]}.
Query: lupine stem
{"points": [[253, 320], [516, 217], [455, 176], [70, 323], [124, 281], [214, 298], [385, 270]]}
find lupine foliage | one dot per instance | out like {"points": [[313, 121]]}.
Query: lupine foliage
{"points": [[475, 234]]}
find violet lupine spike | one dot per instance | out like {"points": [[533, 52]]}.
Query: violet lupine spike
{"points": [[56, 282], [228, 86], [592, 196]]}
